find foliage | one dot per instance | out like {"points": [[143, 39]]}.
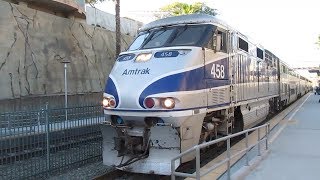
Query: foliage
{"points": [[93, 1], [178, 8], [318, 42]]}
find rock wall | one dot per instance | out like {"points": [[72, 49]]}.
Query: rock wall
{"points": [[33, 45]]}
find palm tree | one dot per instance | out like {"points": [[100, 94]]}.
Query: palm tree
{"points": [[118, 32], [178, 8], [117, 17]]}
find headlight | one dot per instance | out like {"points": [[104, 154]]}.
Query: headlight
{"points": [[160, 102], [105, 102], [143, 57], [168, 103], [109, 102]]}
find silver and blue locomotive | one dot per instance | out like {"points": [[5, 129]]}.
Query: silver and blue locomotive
{"points": [[183, 81]]}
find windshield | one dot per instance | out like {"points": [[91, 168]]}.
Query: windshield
{"points": [[187, 35], [158, 39], [138, 42]]}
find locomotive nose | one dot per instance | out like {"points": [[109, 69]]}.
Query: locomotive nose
{"points": [[133, 74], [126, 83]]}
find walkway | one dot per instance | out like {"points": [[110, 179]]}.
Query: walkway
{"points": [[295, 150]]}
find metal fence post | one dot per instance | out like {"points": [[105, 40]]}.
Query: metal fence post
{"points": [[9, 124], [247, 149], [267, 135], [259, 152], [228, 155], [197, 163], [47, 138], [38, 117], [173, 177]]}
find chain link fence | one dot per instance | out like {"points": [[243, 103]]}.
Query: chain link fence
{"points": [[37, 144]]}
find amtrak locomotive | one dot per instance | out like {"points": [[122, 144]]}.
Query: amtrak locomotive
{"points": [[186, 80]]}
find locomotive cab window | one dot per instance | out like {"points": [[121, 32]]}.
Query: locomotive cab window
{"points": [[219, 41], [138, 41], [170, 36]]}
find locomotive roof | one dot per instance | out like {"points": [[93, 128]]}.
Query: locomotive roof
{"points": [[192, 19], [185, 19]]}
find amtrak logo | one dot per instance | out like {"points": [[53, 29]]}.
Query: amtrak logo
{"points": [[136, 71]]}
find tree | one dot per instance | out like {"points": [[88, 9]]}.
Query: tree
{"points": [[118, 33], [318, 42], [178, 8], [93, 1], [117, 17]]}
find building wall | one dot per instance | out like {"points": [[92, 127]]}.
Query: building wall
{"points": [[33, 45], [105, 20]]}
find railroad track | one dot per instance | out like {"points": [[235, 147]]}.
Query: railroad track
{"points": [[122, 175], [206, 156], [25, 147]]}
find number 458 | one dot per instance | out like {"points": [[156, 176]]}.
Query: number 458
{"points": [[217, 71]]}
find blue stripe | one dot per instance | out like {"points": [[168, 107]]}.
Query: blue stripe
{"points": [[111, 89], [223, 62], [185, 81]]}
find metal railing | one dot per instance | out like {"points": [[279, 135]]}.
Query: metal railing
{"points": [[36, 144], [197, 148]]}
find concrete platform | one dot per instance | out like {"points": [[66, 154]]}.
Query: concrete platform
{"points": [[294, 146], [295, 154], [290, 128]]}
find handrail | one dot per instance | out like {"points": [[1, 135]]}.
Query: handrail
{"points": [[229, 157]]}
